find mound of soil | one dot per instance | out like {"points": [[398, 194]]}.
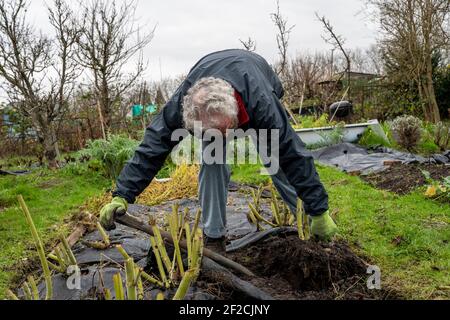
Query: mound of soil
{"points": [[403, 179], [291, 269]]}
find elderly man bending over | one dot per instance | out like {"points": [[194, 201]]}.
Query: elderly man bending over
{"points": [[231, 89]]}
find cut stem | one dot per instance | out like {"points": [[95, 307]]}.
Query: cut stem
{"points": [[260, 217], [131, 279], [40, 249], [162, 248], [69, 253], [185, 285], [197, 220], [159, 262], [104, 235], [174, 232], [34, 288], [118, 287]]}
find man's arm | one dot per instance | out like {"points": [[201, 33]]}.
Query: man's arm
{"points": [[295, 160], [151, 154]]}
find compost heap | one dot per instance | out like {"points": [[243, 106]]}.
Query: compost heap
{"points": [[285, 266]]}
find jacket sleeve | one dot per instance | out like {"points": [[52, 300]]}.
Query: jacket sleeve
{"points": [[151, 155], [294, 159]]}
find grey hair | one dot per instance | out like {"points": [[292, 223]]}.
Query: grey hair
{"points": [[210, 97]]}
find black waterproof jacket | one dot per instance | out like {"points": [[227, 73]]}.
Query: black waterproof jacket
{"points": [[261, 90]]}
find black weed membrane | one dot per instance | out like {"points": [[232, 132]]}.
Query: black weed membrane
{"points": [[285, 267], [353, 158]]}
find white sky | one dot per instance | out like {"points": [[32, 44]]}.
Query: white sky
{"points": [[188, 30]]}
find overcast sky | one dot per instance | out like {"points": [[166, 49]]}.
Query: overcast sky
{"points": [[188, 30]]}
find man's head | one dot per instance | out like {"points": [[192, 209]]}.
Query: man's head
{"points": [[211, 101]]}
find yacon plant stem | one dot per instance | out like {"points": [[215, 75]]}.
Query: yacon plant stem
{"points": [[40, 249]]}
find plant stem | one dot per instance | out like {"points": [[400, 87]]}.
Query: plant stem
{"points": [[301, 233], [152, 280], [27, 291], [11, 295], [197, 220], [118, 287], [104, 235], [259, 217], [61, 259], [185, 285], [188, 242], [174, 232], [34, 288], [40, 249], [69, 253], [158, 260], [123, 252], [131, 279], [144, 275], [140, 286], [162, 248], [107, 295]]}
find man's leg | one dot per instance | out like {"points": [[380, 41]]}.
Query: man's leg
{"points": [[213, 195], [286, 190]]}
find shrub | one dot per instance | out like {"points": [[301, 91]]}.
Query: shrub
{"points": [[407, 131], [112, 153], [442, 136]]}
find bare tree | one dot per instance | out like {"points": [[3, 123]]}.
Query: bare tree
{"points": [[302, 76], [27, 62], [413, 31], [66, 67], [283, 37], [338, 42], [249, 44], [110, 40]]}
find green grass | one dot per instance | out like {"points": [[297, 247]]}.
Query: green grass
{"points": [[371, 220], [249, 174], [406, 236], [51, 198]]}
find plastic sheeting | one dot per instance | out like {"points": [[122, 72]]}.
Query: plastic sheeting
{"points": [[99, 266], [352, 158]]}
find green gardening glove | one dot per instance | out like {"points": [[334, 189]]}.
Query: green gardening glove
{"points": [[118, 207], [324, 227]]}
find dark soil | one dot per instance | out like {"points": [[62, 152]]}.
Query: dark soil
{"points": [[291, 269], [403, 179]]}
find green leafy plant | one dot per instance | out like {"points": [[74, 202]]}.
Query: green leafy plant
{"points": [[112, 153], [330, 138], [437, 190], [371, 139]]}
